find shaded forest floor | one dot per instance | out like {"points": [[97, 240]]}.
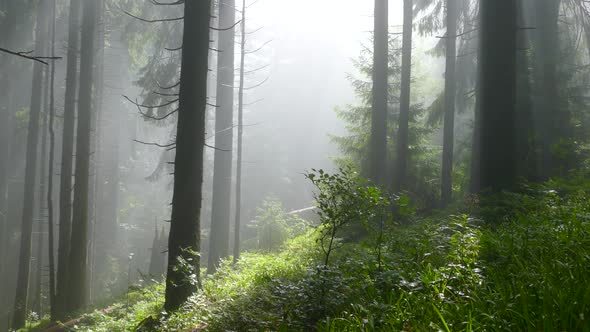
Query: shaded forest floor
{"points": [[525, 269]]}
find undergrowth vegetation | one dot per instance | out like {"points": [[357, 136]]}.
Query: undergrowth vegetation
{"points": [[526, 270]]}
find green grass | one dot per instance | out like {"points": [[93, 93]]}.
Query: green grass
{"points": [[528, 270]]}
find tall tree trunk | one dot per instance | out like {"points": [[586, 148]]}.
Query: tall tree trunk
{"points": [[37, 304], [498, 93], [184, 239], [66, 171], [475, 168], [77, 294], [237, 223], [552, 119], [525, 145], [94, 195], [224, 116], [404, 111], [378, 144], [7, 40], [24, 266], [450, 94], [50, 228]]}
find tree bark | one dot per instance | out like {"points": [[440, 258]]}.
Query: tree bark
{"points": [[498, 94], [450, 94], [78, 283], [378, 144], [222, 163], [66, 171], [6, 119], [50, 226], [22, 290], [237, 223], [404, 112], [184, 238], [552, 119]]}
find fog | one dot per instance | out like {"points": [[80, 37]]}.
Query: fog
{"points": [[111, 92]]}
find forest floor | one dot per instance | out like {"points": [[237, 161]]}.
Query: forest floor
{"points": [[526, 268]]}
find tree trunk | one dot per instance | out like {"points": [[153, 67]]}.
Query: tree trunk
{"points": [[184, 239], [37, 304], [526, 163], [94, 194], [66, 171], [378, 144], [77, 293], [7, 107], [404, 111], [22, 291], [498, 94], [237, 223], [475, 168], [552, 120], [50, 228], [450, 94], [224, 115]]}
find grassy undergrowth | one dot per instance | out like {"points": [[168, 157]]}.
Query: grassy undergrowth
{"points": [[524, 271]]}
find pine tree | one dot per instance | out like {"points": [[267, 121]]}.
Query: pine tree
{"points": [[184, 239]]}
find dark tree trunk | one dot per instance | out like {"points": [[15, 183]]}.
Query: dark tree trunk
{"points": [[525, 144], [552, 119], [77, 292], [498, 94], [450, 94], [24, 266], [50, 228], [237, 223], [224, 115], [184, 239], [404, 111], [66, 171], [378, 144]]}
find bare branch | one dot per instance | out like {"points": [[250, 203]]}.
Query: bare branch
{"points": [[155, 144], [173, 19], [226, 29], [257, 85], [27, 56], [259, 48], [154, 106], [216, 148]]}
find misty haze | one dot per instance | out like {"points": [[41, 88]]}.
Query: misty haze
{"points": [[294, 165]]}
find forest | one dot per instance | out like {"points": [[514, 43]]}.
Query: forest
{"points": [[294, 165]]}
